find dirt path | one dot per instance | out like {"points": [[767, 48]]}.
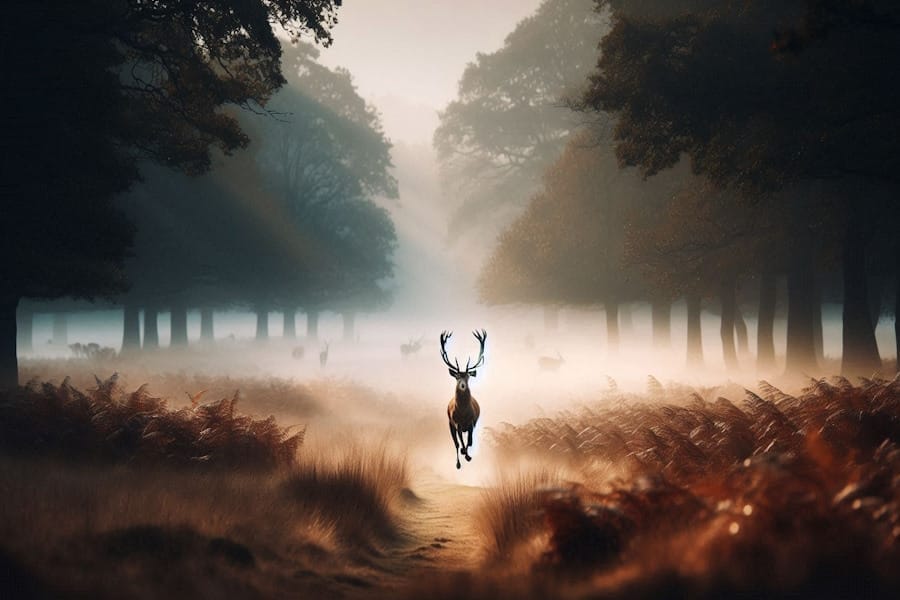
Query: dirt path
{"points": [[441, 525], [440, 532]]}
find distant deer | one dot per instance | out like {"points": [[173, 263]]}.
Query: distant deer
{"points": [[463, 410], [411, 348], [550, 363], [298, 352], [323, 356]]}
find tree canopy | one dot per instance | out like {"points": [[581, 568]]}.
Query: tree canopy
{"points": [[764, 113], [289, 222], [568, 246], [90, 88], [509, 121]]}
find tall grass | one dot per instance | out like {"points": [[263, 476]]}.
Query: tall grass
{"points": [[109, 493], [355, 490], [775, 494], [318, 529], [510, 512]]}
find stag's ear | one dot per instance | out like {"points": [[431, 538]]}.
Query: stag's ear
{"points": [[473, 373], [452, 373]]}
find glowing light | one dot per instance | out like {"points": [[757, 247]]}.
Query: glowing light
{"points": [[748, 509], [734, 528]]}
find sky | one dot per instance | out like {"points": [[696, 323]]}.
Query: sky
{"points": [[407, 56]]}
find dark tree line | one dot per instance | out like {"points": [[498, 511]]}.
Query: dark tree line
{"points": [[92, 87], [764, 135], [288, 224]]}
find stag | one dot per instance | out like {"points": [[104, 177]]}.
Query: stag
{"points": [[463, 410], [411, 348], [323, 356]]}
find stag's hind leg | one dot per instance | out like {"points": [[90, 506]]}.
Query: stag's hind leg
{"points": [[455, 443]]}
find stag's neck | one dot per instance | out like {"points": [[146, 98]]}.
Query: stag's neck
{"points": [[463, 398]]}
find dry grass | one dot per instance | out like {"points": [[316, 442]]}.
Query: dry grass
{"points": [[716, 493], [110, 493], [510, 514], [106, 423], [356, 490], [775, 495], [320, 528]]}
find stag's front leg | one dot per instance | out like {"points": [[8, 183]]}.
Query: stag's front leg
{"points": [[462, 440], [456, 441], [471, 442]]}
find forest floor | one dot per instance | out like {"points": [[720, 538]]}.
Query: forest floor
{"points": [[109, 491]]}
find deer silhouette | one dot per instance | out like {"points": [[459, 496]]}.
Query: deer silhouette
{"points": [[411, 348]]}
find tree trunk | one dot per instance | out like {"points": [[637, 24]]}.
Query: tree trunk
{"points": [[312, 324], [290, 324], [151, 328], [60, 330], [694, 332], [818, 334], [612, 325], [551, 318], [860, 350], [726, 331], [800, 355], [661, 315], [876, 296], [626, 322], [896, 319], [131, 328], [9, 363], [262, 324], [349, 326], [740, 329], [25, 330], [179, 337], [207, 326], [765, 326]]}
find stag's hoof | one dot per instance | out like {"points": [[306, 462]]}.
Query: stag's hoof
{"points": [[468, 458]]}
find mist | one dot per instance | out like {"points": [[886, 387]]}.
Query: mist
{"points": [[232, 253]]}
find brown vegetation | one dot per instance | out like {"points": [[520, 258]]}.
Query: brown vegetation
{"points": [[673, 492], [677, 494], [106, 423], [112, 494]]}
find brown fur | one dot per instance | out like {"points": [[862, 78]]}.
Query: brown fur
{"points": [[463, 412]]}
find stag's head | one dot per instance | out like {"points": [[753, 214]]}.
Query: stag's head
{"points": [[462, 375]]}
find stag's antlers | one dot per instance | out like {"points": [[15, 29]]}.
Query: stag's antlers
{"points": [[481, 336], [445, 335]]}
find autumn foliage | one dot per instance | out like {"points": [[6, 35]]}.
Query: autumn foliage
{"points": [[108, 424], [679, 493]]}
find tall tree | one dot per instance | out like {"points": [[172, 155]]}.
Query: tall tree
{"points": [[802, 106], [698, 242], [90, 87], [567, 248], [509, 121], [329, 160]]}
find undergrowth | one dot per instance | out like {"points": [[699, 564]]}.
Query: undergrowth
{"points": [[774, 495], [107, 423]]}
